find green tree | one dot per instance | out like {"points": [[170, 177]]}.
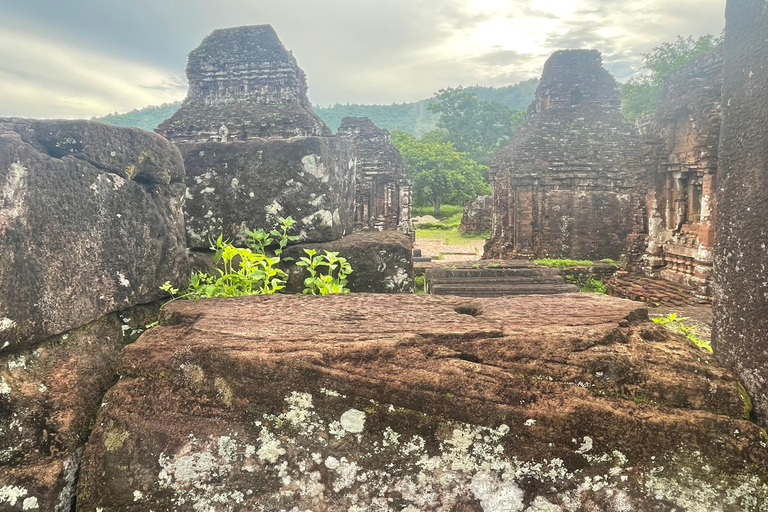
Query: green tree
{"points": [[640, 95], [440, 173], [475, 127]]}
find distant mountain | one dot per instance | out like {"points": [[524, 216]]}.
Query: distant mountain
{"points": [[413, 118]]}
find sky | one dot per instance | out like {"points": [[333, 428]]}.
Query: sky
{"points": [[84, 58]]}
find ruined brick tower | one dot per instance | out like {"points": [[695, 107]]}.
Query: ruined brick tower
{"points": [[566, 185], [681, 141], [383, 191], [243, 84]]}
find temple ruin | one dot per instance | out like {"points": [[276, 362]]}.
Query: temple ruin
{"points": [[680, 162], [383, 198], [253, 148], [243, 84], [567, 185]]}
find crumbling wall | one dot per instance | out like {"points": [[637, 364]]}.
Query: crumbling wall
{"points": [[384, 192], [681, 165], [740, 336], [476, 216], [90, 227], [567, 184]]}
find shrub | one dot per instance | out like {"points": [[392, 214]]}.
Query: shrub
{"points": [[251, 271], [419, 284], [592, 285], [319, 283]]}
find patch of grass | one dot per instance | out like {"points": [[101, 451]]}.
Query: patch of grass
{"points": [[557, 263], [675, 323], [451, 236], [593, 285]]}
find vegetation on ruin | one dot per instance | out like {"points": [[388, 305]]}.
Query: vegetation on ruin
{"points": [[677, 324], [418, 284], [252, 270], [563, 263], [333, 280], [441, 174], [592, 285], [640, 95]]}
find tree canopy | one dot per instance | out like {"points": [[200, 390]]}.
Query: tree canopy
{"points": [[640, 95], [475, 127], [440, 173]]}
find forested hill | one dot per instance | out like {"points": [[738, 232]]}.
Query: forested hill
{"points": [[147, 118], [413, 118]]}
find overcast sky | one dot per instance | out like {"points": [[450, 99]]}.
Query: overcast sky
{"points": [[80, 58]]}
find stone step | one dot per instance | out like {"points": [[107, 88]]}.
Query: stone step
{"points": [[489, 281], [458, 273], [500, 291]]}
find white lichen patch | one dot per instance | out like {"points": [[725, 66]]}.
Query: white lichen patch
{"points": [[6, 323], [353, 421], [313, 165], [122, 280], [30, 504], [326, 452], [11, 494], [322, 218]]}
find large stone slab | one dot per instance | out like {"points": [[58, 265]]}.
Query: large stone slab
{"points": [[247, 185], [740, 334], [49, 398], [410, 403], [90, 223]]}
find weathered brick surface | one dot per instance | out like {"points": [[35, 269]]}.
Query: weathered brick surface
{"points": [[740, 336], [680, 161], [567, 184], [384, 192], [243, 84]]}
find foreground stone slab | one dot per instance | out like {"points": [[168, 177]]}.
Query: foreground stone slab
{"points": [[90, 223], [49, 398], [568, 403]]}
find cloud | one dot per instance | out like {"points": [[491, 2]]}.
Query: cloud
{"points": [[45, 78], [86, 57]]}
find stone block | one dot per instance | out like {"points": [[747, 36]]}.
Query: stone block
{"points": [[90, 223], [232, 187]]}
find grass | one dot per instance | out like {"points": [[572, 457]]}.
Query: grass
{"points": [[451, 236], [448, 227], [548, 262], [447, 210]]}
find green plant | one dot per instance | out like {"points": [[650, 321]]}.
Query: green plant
{"points": [[609, 261], [319, 283], [674, 323], [244, 271], [475, 265], [592, 285], [494, 264], [563, 263], [419, 284]]}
